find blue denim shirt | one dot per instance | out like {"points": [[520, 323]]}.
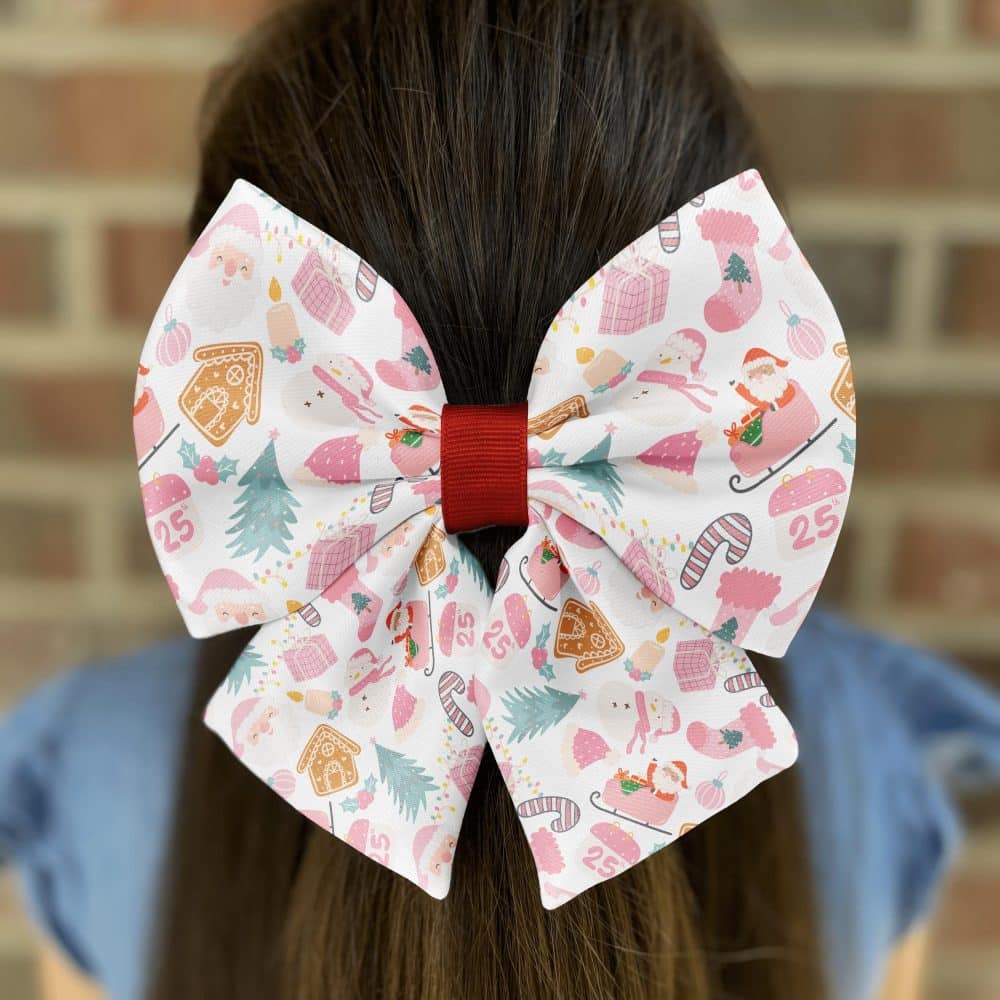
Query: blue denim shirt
{"points": [[88, 768]]}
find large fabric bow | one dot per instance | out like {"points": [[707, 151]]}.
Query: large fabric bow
{"points": [[689, 444]]}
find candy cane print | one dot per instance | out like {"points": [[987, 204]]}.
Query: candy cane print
{"points": [[450, 684], [734, 530], [743, 682], [566, 810], [365, 281], [670, 233]]}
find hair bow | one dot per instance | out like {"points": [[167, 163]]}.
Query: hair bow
{"points": [[681, 466]]}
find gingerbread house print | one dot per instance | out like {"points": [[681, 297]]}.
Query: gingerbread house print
{"points": [[329, 758], [224, 390]]}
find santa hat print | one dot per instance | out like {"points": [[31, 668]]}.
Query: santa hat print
{"points": [[239, 227], [223, 586], [672, 459], [756, 355], [240, 715], [426, 842], [689, 343]]}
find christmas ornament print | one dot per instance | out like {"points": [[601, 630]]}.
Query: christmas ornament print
{"points": [[689, 452]]}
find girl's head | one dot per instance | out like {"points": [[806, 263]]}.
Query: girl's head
{"points": [[486, 159]]}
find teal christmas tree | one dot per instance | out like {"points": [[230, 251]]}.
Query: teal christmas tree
{"points": [[360, 602], [596, 474], [727, 630], [240, 673], [533, 710], [264, 508], [731, 737], [407, 781], [417, 357], [737, 270]]}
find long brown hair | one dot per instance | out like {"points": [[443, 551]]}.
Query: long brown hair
{"points": [[486, 158]]}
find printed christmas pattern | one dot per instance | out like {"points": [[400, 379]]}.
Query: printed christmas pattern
{"points": [[690, 443]]}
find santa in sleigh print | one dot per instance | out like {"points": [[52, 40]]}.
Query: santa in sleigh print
{"points": [[780, 424], [649, 799]]}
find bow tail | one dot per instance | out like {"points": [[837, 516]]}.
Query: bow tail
{"points": [[618, 723], [358, 708]]}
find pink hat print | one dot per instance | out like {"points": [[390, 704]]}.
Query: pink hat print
{"points": [[239, 228]]}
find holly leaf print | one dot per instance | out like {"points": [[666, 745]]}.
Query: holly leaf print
{"points": [[188, 454], [226, 467], [553, 457], [847, 446], [349, 805]]}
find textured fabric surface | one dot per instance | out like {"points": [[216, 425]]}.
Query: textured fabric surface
{"points": [[886, 732], [690, 442]]}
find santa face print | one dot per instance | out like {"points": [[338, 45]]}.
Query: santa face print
{"points": [[233, 262], [261, 726], [442, 857], [766, 381], [226, 291], [667, 777], [246, 613]]}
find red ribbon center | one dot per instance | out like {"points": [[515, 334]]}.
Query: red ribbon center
{"points": [[484, 466]]}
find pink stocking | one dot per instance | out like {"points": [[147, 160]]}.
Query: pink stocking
{"points": [[355, 596], [749, 729], [738, 298]]}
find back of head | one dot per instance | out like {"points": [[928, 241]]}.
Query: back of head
{"points": [[486, 158]]}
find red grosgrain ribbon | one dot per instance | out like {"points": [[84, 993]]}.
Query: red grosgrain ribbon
{"points": [[484, 466]]}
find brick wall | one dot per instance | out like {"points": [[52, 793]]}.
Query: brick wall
{"points": [[882, 116]]}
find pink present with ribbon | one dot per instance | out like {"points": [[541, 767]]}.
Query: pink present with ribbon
{"points": [[634, 297], [309, 657], [321, 293], [335, 551]]}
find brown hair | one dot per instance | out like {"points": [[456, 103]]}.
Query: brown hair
{"points": [[486, 158]]}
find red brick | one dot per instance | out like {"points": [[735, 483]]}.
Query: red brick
{"points": [[970, 302], [70, 415], [859, 277], [982, 17], [134, 123], [28, 112], [219, 13], [139, 261], [934, 436], [947, 563], [26, 273], [100, 123], [892, 139], [39, 540]]}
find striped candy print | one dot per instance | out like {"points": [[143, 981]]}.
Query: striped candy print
{"points": [[566, 810], [450, 685], [734, 530], [365, 281], [743, 682], [670, 233]]}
